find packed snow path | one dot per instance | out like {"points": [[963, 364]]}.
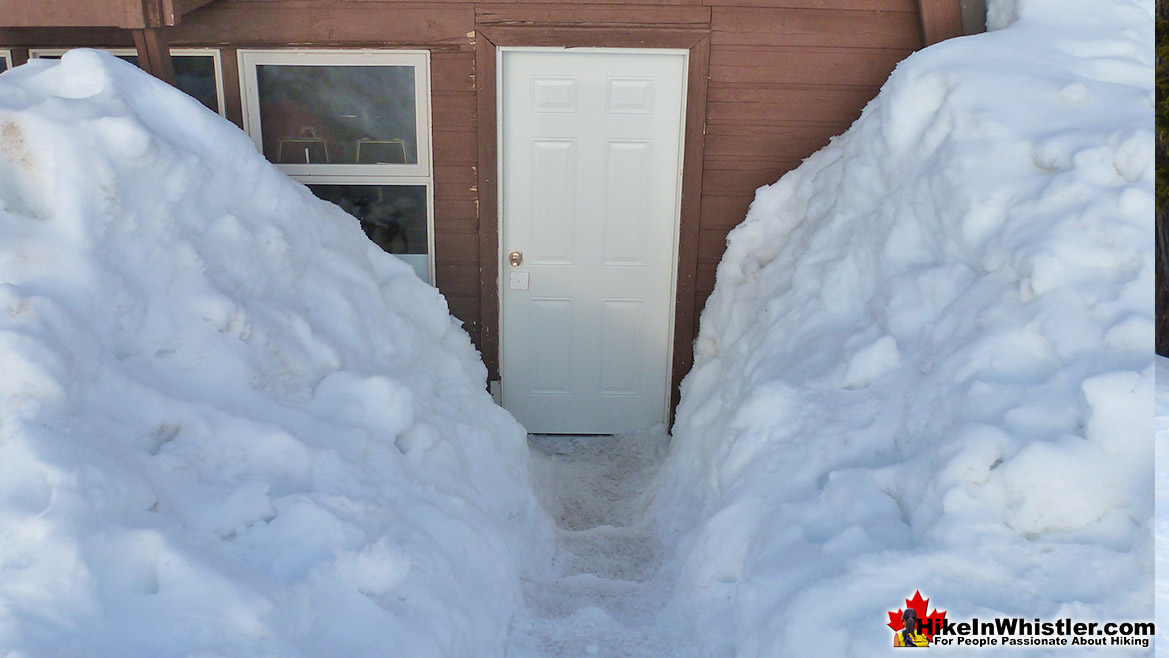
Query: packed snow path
{"points": [[605, 592]]}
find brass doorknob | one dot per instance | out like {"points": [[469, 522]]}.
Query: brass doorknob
{"points": [[515, 258]]}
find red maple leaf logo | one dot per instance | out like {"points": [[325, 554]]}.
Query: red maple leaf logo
{"points": [[930, 623]]}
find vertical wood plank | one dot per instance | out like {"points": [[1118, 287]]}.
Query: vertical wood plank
{"points": [[161, 64], [142, 48], [154, 54], [152, 12], [940, 20], [232, 91], [485, 101]]}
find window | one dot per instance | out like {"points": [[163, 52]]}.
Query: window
{"points": [[198, 74], [197, 71], [353, 126], [5, 60]]}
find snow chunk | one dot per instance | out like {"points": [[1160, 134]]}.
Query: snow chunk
{"points": [[871, 362]]}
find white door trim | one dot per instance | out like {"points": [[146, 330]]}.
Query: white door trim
{"points": [[501, 256]]}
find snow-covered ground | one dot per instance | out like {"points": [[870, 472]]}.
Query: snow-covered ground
{"points": [[229, 424], [605, 592], [927, 363]]}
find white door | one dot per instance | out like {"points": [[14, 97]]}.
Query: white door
{"points": [[590, 175]]}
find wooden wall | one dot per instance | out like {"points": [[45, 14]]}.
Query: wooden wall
{"points": [[784, 77]]}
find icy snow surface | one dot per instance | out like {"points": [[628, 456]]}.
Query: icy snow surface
{"points": [[927, 362], [605, 593], [229, 424]]}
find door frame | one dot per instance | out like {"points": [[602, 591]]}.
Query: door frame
{"points": [[666, 382], [489, 41]]}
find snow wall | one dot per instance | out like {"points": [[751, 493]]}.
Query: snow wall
{"points": [[928, 360], [229, 424]]}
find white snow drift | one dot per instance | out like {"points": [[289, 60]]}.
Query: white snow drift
{"points": [[927, 362], [229, 424]]}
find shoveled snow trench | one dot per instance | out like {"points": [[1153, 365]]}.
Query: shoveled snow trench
{"points": [[606, 591]]}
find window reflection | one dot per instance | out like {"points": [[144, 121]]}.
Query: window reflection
{"points": [[393, 216], [338, 114], [195, 76]]}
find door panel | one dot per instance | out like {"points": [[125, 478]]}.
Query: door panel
{"points": [[627, 181], [621, 365], [553, 238], [589, 179]]}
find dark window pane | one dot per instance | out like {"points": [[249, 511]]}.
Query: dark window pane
{"points": [[3, 65], [338, 114], [195, 76], [393, 216]]}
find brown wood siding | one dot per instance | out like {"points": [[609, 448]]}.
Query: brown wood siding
{"points": [[786, 76], [583, 14], [781, 78], [174, 10], [455, 146], [126, 14], [245, 23], [756, 26], [940, 20], [847, 5], [66, 13]]}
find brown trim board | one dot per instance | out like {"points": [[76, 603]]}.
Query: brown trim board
{"points": [[697, 42], [154, 54], [19, 56], [232, 97], [485, 102], [692, 165]]}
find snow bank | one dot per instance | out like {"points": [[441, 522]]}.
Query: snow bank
{"points": [[229, 424], [927, 362]]}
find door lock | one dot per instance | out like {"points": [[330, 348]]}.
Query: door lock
{"points": [[515, 258]]}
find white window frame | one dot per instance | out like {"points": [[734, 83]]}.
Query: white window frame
{"points": [[174, 52], [421, 173], [6, 55], [249, 59]]}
